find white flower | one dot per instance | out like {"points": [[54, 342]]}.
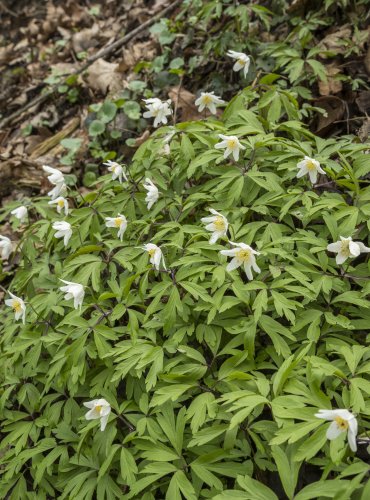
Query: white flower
{"points": [[117, 171], [217, 224], [20, 213], [119, 222], [242, 61], [55, 177], [153, 193], [64, 230], [345, 248], [99, 409], [155, 254], [231, 145], [157, 109], [61, 203], [6, 247], [243, 255], [19, 307], [342, 421], [208, 100], [311, 167], [58, 189], [73, 291]]}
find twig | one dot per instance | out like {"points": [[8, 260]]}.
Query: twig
{"points": [[101, 53]]}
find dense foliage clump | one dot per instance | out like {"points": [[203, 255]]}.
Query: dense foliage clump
{"points": [[213, 379]]}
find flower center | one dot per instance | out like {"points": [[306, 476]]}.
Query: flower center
{"points": [[117, 221], [207, 99], [243, 254], [98, 408], [219, 223], [311, 165], [17, 306], [345, 248], [231, 143], [61, 203], [341, 423], [151, 252], [241, 62]]}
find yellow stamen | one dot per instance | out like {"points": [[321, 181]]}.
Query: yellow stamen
{"points": [[341, 423], [151, 252], [345, 248], [241, 62], [17, 306], [61, 203], [310, 165], [219, 223], [243, 254], [207, 99], [231, 143], [117, 221], [98, 408]]}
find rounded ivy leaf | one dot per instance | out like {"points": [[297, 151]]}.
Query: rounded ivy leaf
{"points": [[132, 110], [96, 127], [107, 112]]}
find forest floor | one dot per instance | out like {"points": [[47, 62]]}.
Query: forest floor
{"points": [[58, 68]]}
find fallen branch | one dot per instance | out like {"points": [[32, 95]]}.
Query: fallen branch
{"points": [[101, 53]]}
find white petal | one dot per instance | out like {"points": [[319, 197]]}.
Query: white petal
{"points": [[248, 271], [334, 247], [354, 248], [214, 237], [333, 431], [229, 253], [233, 264], [363, 248], [340, 258], [103, 422]]}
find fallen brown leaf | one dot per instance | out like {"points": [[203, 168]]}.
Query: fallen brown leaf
{"points": [[335, 42], [334, 108], [332, 85], [104, 76], [84, 39], [183, 100], [363, 102]]}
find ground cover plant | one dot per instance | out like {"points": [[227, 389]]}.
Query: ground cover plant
{"points": [[185, 312], [214, 378]]}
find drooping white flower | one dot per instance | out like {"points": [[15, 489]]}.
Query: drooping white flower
{"points": [[155, 254], [217, 224], [20, 213], [117, 171], [242, 61], [61, 203], [18, 306], [208, 100], [342, 421], [346, 248], [58, 190], [157, 109], [99, 409], [6, 247], [64, 230], [73, 291], [231, 145], [243, 255], [153, 193], [311, 167], [119, 222], [55, 177]]}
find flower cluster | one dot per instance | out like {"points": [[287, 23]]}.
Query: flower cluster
{"points": [[242, 255]]}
